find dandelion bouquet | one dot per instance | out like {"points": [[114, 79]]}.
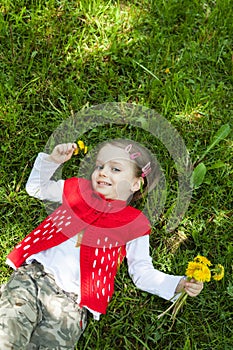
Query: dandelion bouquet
{"points": [[200, 270]]}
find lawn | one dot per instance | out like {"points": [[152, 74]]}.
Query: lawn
{"points": [[173, 57]]}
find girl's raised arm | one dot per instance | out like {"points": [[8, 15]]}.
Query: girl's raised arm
{"points": [[39, 184]]}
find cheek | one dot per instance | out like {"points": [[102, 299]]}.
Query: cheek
{"points": [[93, 176], [122, 186]]}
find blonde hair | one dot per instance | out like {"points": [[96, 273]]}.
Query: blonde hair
{"points": [[144, 157]]}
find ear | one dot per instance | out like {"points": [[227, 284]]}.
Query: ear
{"points": [[137, 184]]}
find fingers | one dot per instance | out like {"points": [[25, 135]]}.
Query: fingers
{"points": [[193, 288], [62, 152], [65, 148]]}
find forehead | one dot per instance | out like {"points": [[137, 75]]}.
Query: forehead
{"points": [[113, 153]]}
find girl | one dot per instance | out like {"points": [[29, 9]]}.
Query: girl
{"points": [[68, 264]]}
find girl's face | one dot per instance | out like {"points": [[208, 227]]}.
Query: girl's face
{"points": [[114, 174]]}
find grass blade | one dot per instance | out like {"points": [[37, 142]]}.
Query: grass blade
{"points": [[147, 70], [220, 135]]}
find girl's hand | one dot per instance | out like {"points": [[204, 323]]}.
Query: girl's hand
{"points": [[192, 287], [61, 153]]}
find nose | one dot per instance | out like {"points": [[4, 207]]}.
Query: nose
{"points": [[103, 171]]}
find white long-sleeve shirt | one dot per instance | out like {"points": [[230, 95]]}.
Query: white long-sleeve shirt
{"points": [[62, 260]]}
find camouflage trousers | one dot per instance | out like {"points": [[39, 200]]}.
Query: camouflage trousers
{"points": [[36, 314]]}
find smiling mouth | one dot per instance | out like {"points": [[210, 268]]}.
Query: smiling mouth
{"points": [[103, 183]]}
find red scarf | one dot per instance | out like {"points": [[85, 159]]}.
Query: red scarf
{"points": [[107, 225]]}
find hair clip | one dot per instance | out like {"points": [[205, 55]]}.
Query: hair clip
{"points": [[133, 155], [128, 148], [146, 170], [81, 147]]}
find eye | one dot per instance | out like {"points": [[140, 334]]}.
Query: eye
{"points": [[115, 169], [98, 167]]}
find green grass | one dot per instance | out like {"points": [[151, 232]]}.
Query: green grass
{"points": [[57, 57]]}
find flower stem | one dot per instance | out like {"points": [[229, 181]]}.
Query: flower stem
{"points": [[168, 309]]}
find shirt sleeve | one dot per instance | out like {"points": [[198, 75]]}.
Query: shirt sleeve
{"points": [[40, 185], [143, 273]]}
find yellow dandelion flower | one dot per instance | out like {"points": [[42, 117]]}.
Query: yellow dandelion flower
{"points": [[203, 260], [202, 274], [81, 147], [81, 144], [167, 70], [218, 272], [198, 271], [192, 267]]}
